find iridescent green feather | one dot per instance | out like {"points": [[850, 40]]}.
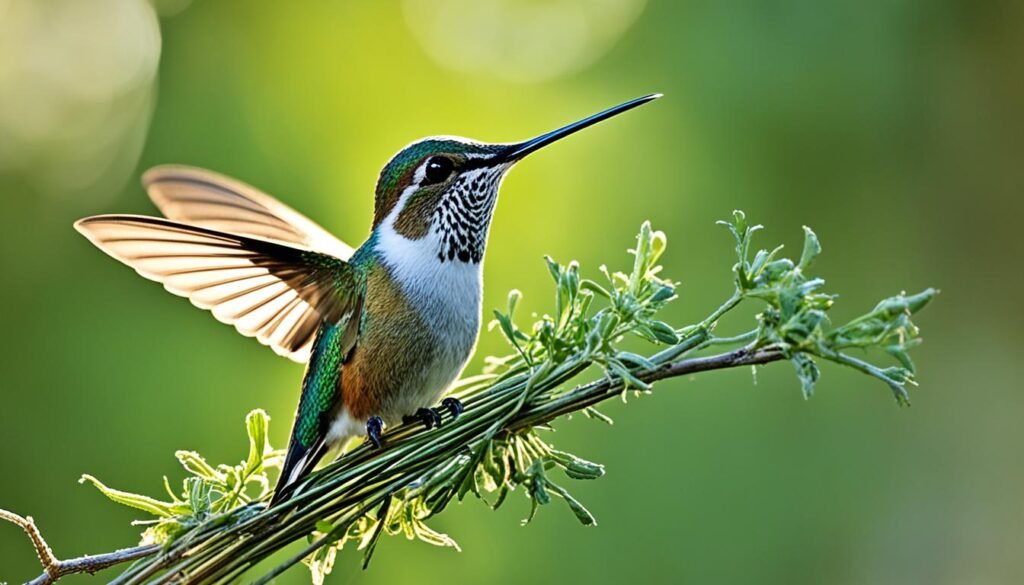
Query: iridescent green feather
{"points": [[321, 385]]}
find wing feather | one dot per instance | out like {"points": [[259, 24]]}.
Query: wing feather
{"points": [[200, 197], [276, 292]]}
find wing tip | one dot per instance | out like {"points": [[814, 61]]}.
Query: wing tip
{"points": [[80, 224], [84, 226]]}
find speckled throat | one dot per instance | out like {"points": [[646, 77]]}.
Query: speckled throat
{"points": [[462, 217]]}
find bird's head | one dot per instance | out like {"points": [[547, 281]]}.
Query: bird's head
{"points": [[446, 187]]}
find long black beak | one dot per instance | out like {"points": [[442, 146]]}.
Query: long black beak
{"points": [[518, 151]]}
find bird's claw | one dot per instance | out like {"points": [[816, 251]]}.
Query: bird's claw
{"points": [[374, 428], [428, 416], [433, 417], [454, 406]]}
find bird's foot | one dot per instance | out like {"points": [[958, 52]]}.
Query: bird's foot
{"points": [[428, 416], [454, 406], [433, 417], [374, 428]]}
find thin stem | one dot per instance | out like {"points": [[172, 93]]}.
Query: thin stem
{"points": [[734, 340], [591, 394], [727, 306], [54, 568]]}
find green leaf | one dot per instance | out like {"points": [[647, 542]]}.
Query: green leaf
{"points": [[642, 254], [514, 296], [663, 293], [537, 483], [139, 502], [581, 512], [596, 288], [659, 241], [596, 414], [506, 326], [628, 378], [321, 563], [636, 359], [902, 304], [195, 464], [199, 493], [256, 424], [664, 332], [899, 352], [431, 536], [369, 543], [577, 467], [812, 247], [554, 268], [807, 372]]}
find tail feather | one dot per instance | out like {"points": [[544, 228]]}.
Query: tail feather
{"points": [[298, 463]]}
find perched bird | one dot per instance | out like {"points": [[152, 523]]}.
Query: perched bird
{"points": [[385, 328]]}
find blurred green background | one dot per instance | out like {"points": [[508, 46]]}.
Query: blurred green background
{"points": [[894, 128]]}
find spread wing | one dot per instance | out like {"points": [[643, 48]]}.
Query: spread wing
{"points": [[279, 293], [204, 198]]}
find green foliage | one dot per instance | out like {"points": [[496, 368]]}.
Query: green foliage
{"points": [[795, 319], [209, 493], [495, 448]]}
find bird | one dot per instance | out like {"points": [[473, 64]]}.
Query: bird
{"points": [[384, 329]]}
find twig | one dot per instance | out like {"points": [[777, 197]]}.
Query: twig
{"points": [[579, 398], [595, 392], [54, 569], [212, 536]]}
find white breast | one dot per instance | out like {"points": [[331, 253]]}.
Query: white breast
{"points": [[446, 294]]}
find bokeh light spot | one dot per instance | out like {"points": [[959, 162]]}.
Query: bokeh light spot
{"points": [[76, 82], [519, 40]]}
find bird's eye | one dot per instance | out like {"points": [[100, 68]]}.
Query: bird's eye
{"points": [[438, 169]]}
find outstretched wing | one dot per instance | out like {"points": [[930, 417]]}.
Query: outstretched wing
{"points": [[207, 199], [276, 292]]}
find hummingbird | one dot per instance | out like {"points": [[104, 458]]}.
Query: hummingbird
{"points": [[383, 329]]}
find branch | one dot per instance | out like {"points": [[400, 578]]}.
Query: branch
{"points": [[596, 392], [326, 493], [54, 569], [218, 525], [582, 397]]}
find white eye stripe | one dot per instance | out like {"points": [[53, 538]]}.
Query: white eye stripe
{"points": [[421, 172]]}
